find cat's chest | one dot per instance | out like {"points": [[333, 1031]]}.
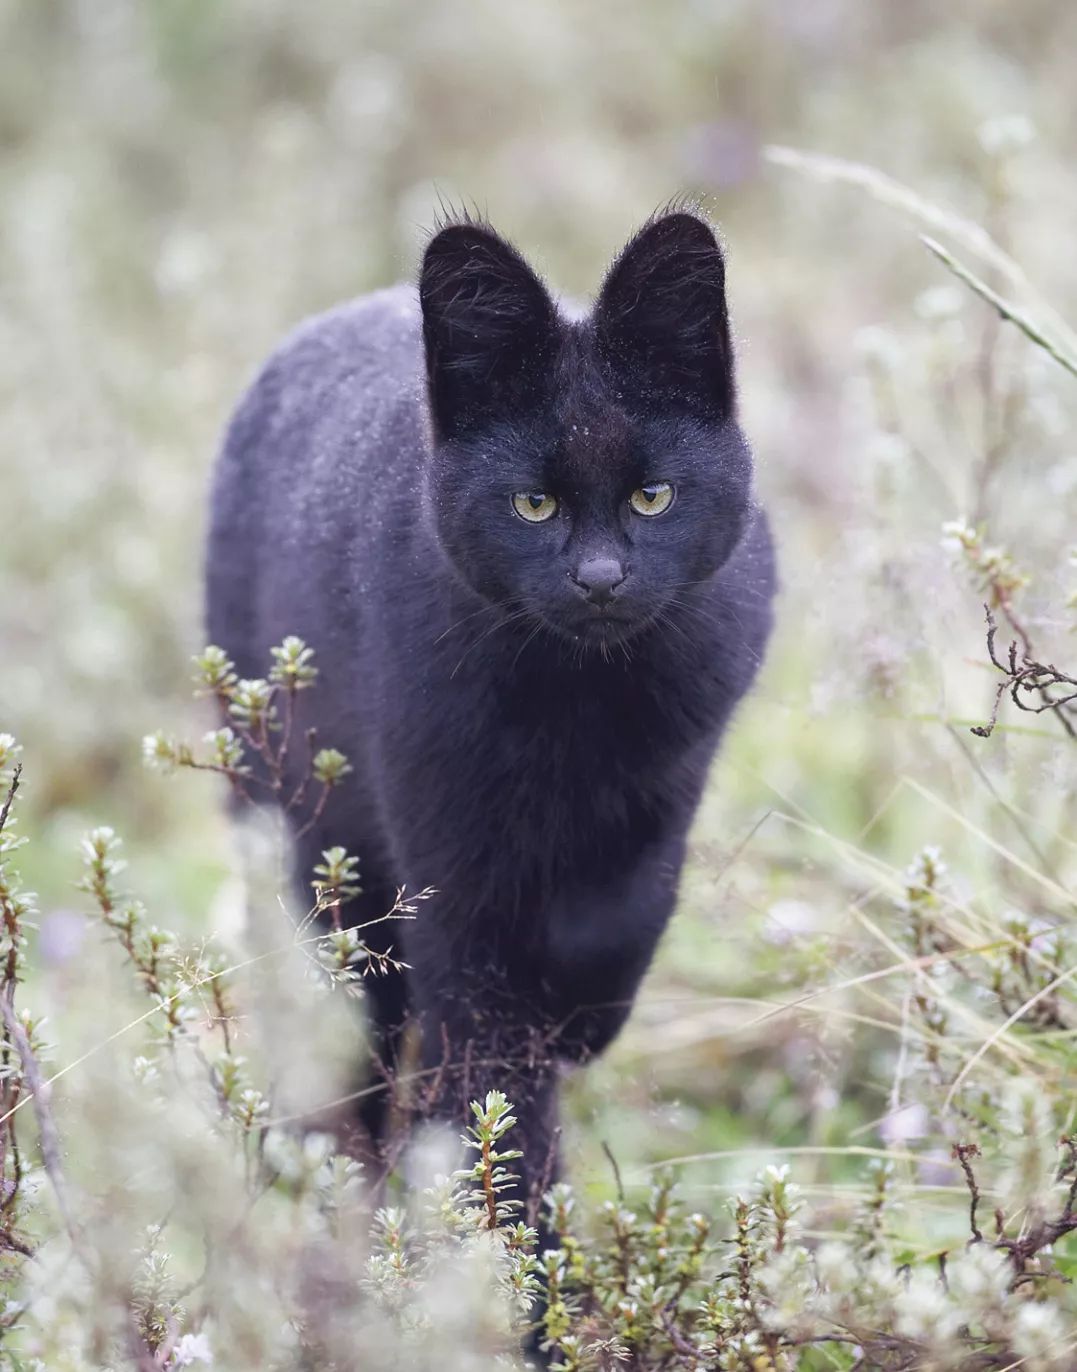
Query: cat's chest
{"points": [[513, 788], [551, 753]]}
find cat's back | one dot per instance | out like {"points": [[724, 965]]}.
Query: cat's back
{"points": [[325, 444], [334, 379]]}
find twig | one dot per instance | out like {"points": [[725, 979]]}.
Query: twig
{"points": [[10, 797], [1024, 674], [616, 1171], [488, 1190], [50, 1139], [11, 1092], [1069, 1143], [963, 1153]]}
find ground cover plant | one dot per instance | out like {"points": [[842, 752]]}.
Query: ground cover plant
{"points": [[648, 1283], [870, 980]]}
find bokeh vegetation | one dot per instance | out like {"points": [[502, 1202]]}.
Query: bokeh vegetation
{"points": [[181, 182]]}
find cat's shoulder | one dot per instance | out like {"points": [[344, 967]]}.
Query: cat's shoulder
{"points": [[361, 351], [744, 593], [382, 323], [753, 560]]}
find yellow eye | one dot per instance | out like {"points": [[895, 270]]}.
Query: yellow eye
{"points": [[653, 499], [534, 506]]}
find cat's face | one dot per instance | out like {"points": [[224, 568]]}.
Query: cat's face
{"points": [[584, 474]]}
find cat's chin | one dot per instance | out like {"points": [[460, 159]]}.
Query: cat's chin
{"points": [[599, 633]]}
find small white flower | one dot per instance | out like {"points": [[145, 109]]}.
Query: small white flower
{"points": [[1029, 1134], [900, 1126], [192, 1348], [8, 749], [836, 1266], [939, 302], [923, 1312], [186, 258], [879, 346], [1041, 1338], [979, 1278], [788, 920], [145, 1070], [958, 535], [1006, 134], [159, 752]]}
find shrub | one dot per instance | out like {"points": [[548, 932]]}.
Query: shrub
{"points": [[200, 1225]]}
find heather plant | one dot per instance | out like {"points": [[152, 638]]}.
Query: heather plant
{"points": [[871, 979], [993, 571], [247, 1237]]}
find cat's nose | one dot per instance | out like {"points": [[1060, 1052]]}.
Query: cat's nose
{"points": [[599, 577]]}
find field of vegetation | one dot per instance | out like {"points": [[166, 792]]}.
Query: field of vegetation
{"points": [[871, 978]]}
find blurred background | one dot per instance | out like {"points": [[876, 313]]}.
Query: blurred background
{"points": [[182, 180]]}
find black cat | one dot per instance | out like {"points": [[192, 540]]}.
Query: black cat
{"points": [[525, 548]]}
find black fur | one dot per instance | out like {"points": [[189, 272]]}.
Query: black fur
{"points": [[534, 756]]}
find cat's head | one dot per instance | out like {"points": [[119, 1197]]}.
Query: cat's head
{"points": [[584, 472]]}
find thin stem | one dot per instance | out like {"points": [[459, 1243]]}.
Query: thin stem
{"points": [[1007, 310]]}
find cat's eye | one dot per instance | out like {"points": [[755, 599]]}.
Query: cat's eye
{"points": [[534, 506], [653, 499]]}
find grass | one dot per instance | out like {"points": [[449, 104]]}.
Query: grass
{"points": [[262, 167]]}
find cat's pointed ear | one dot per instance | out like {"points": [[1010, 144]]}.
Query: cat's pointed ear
{"points": [[661, 318], [489, 327]]}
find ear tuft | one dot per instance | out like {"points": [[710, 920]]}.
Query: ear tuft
{"points": [[661, 316], [488, 327]]}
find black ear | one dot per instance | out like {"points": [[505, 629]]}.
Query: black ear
{"points": [[661, 315], [489, 328]]}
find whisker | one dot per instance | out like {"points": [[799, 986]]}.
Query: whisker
{"points": [[488, 608], [537, 629], [668, 622], [505, 623]]}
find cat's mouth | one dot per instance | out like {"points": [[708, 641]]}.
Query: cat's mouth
{"points": [[606, 627]]}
